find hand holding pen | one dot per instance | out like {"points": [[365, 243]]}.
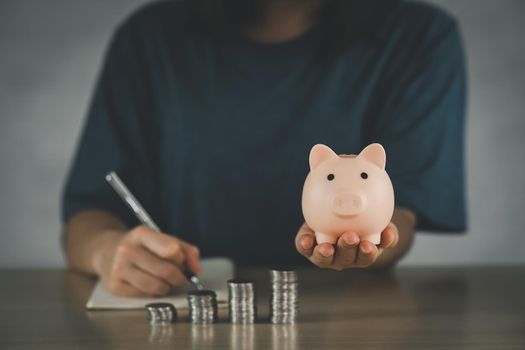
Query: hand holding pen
{"points": [[145, 261]]}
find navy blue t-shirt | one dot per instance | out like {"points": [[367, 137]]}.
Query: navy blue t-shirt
{"points": [[213, 138]]}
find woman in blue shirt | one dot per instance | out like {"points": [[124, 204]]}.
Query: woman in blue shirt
{"points": [[208, 108]]}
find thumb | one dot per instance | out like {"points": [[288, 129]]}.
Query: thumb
{"points": [[192, 255], [305, 240]]}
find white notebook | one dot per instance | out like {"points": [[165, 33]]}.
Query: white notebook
{"points": [[215, 273]]}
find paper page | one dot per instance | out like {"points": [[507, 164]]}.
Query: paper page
{"points": [[215, 273]]}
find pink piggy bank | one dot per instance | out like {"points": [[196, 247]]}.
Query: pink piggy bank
{"points": [[347, 193]]}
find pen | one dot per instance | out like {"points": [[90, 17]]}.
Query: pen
{"points": [[114, 180]]}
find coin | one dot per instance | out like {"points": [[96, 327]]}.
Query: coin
{"points": [[160, 313], [241, 301], [202, 306], [284, 297]]}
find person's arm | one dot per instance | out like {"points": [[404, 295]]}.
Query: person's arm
{"points": [[419, 118], [121, 134], [136, 262], [84, 236], [351, 252]]}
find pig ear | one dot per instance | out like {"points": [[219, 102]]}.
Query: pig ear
{"points": [[374, 153], [319, 154]]}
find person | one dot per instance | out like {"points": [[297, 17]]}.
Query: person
{"points": [[207, 109]]}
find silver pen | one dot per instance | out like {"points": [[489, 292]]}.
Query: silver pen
{"points": [[114, 180]]}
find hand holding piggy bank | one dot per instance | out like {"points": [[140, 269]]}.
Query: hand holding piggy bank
{"points": [[347, 193]]}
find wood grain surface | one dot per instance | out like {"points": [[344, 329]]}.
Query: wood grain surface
{"points": [[408, 308]]}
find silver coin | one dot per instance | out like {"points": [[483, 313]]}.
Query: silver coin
{"points": [[161, 313], [241, 301], [202, 306], [284, 296]]}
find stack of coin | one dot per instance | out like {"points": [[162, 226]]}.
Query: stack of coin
{"points": [[284, 296], [241, 301], [161, 313], [202, 306]]}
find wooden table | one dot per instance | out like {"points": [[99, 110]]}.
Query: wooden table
{"points": [[409, 308]]}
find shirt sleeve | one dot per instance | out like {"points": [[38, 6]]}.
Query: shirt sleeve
{"points": [[420, 122], [119, 135]]}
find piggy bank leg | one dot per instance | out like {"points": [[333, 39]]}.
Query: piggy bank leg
{"points": [[321, 237], [373, 238]]}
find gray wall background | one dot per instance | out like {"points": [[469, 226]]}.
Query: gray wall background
{"points": [[50, 52]]}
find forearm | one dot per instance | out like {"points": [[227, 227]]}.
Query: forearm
{"points": [[405, 221], [85, 236]]}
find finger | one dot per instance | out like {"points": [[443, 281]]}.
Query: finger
{"points": [[366, 254], [167, 271], [145, 282], [346, 252], [323, 255], [122, 288], [305, 242], [396, 230], [389, 236], [192, 255], [160, 244]]}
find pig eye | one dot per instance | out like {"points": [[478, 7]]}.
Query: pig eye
{"points": [[364, 176], [330, 177]]}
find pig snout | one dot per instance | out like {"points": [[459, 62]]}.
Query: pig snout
{"points": [[347, 204]]}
